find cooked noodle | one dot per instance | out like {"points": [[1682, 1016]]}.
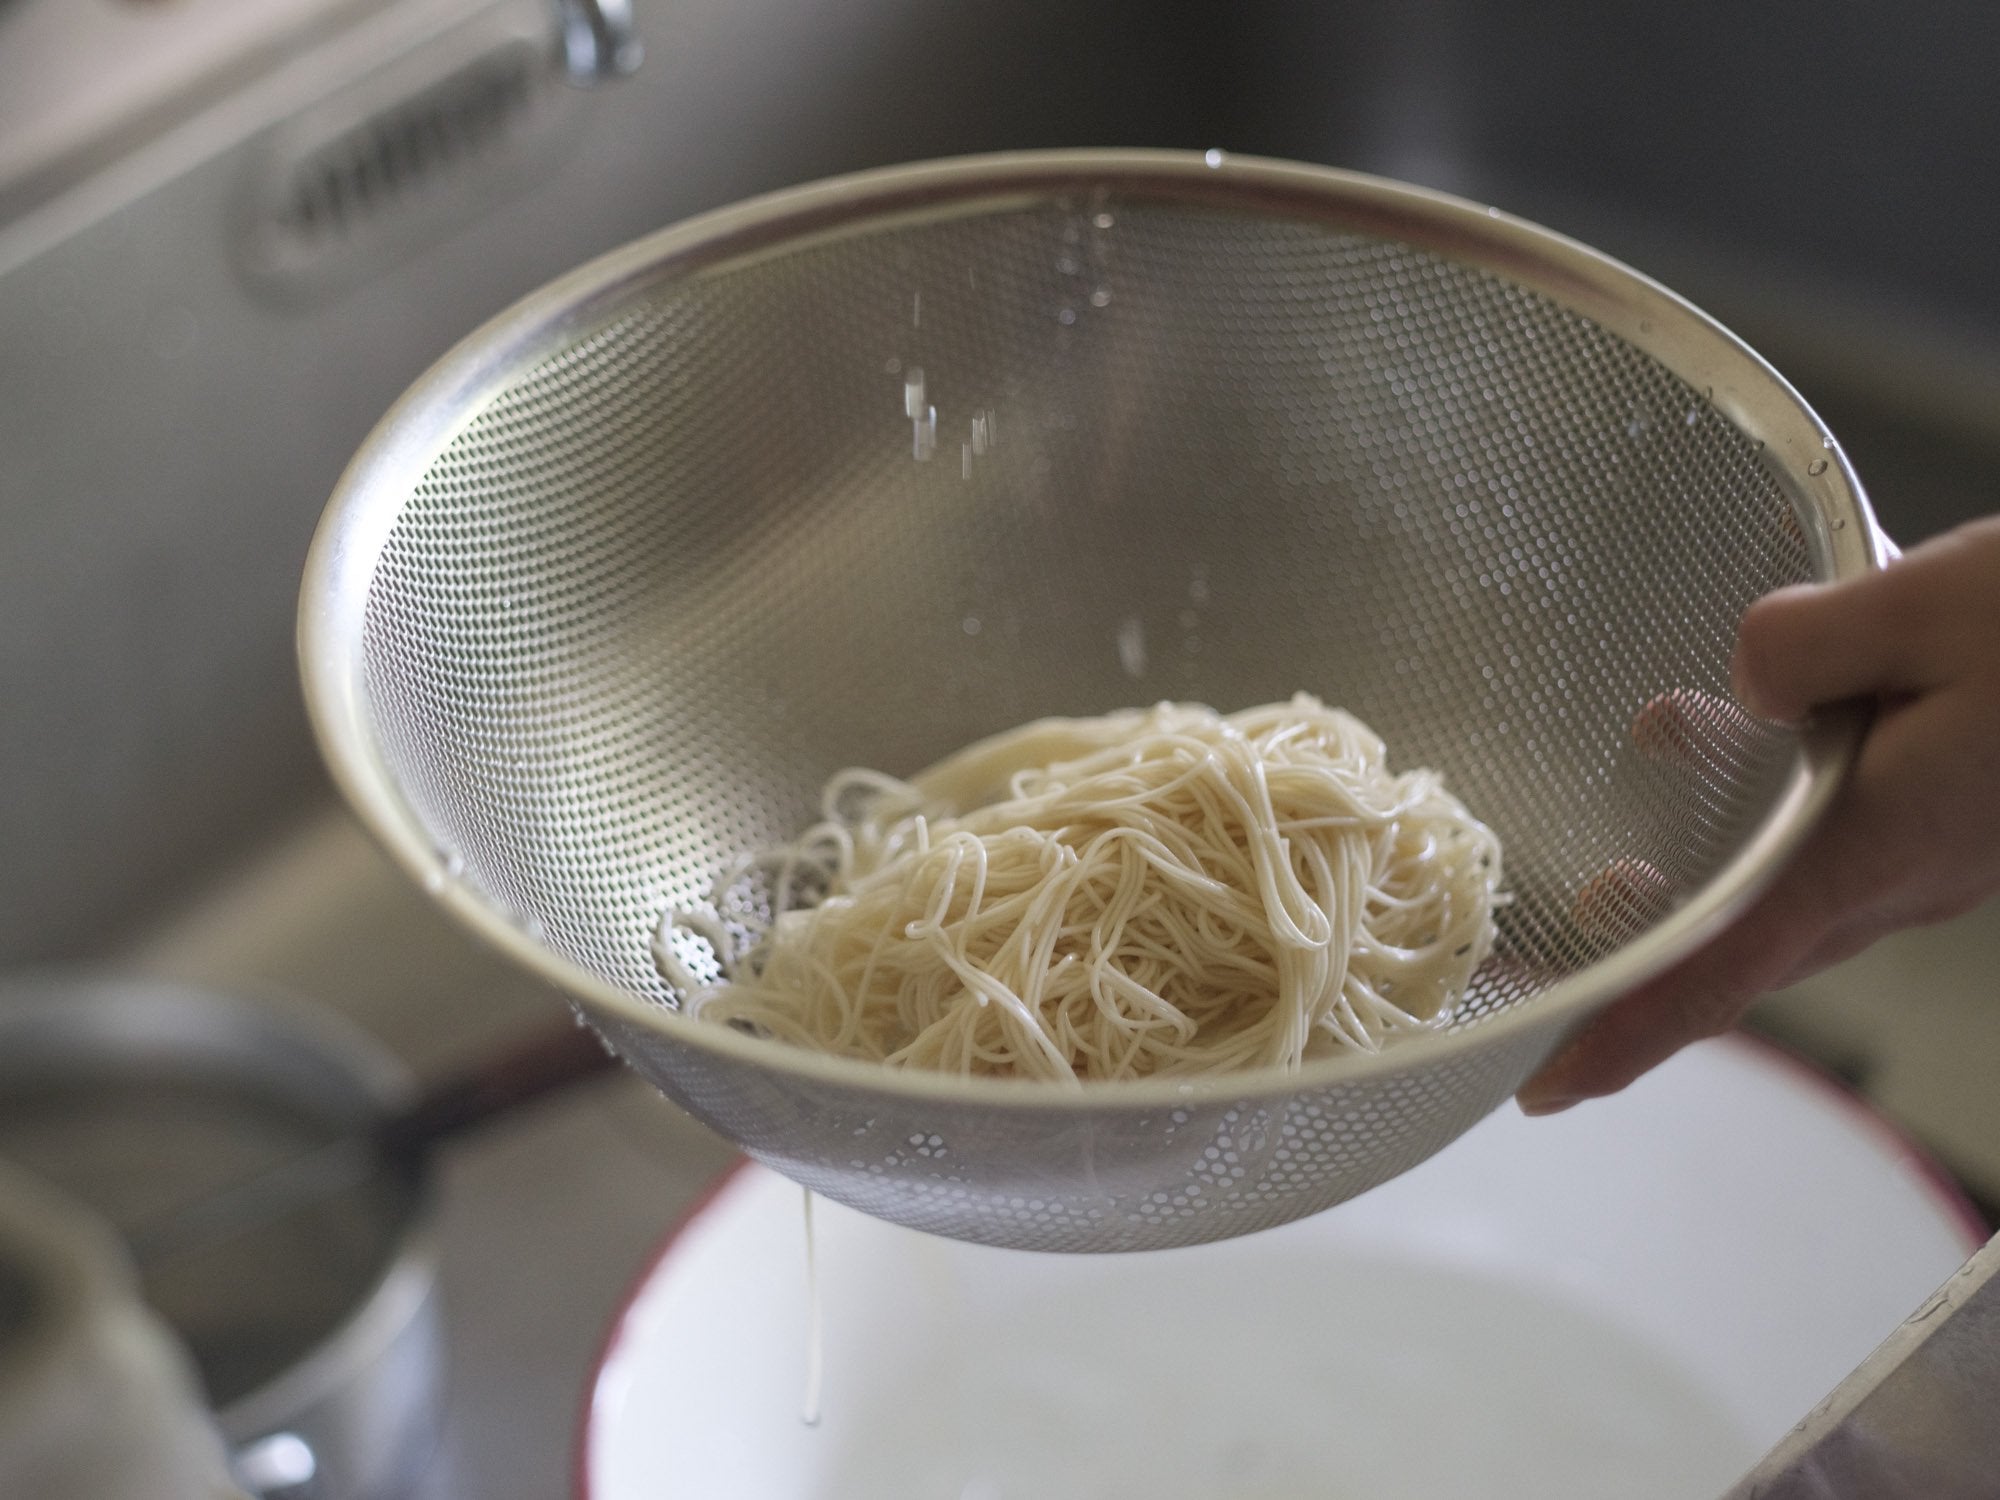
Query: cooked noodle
{"points": [[1166, 891]]}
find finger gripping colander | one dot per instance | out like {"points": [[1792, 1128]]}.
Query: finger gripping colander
{"points": [[862, 472]]}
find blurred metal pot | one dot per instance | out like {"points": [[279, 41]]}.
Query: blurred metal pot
{"points": [[96, 1400], [317, 1337]]}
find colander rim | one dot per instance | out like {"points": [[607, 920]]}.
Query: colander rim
{"points": [[367, 500]]}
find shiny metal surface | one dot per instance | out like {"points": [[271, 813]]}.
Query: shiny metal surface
{"points": [[599, 39], [617, 585], [1916, 1418]]}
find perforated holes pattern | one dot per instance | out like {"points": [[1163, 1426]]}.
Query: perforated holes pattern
{"points": [[655, 592]]}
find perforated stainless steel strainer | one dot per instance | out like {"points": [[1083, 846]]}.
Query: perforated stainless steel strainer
{"points": [[856, 474]]}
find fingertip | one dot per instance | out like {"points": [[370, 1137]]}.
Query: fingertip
{"points": [[1540, 1103], [1624, 898], [1618, 1045], [1579, 1072], [1566, 1079], [1758, 669], [1691, 728]]}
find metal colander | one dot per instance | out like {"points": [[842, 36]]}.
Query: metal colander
{"points": [[859, 473]]}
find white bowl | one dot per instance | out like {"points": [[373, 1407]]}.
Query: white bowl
{"points": [[1635, 1298]]}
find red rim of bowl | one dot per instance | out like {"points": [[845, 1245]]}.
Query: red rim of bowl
{"points": [[1944, 1188]]}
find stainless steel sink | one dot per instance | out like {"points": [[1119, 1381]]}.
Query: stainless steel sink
{"points": [[197, 325]]}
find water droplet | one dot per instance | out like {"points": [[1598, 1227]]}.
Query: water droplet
{"points": [[913, 392], [1826, 441], [454, 865], [1198, 589], [1693, 416], [1066, 317], [894, 366], [970, 625], [279, 1462], [1101, 297], [1636, 427], [1104, 221], [982, 431], [1840, 523], [916, 309], [433, 881], [924, 435], [1817, 466], [1132, 647], [1066, 265], [1492, 213], [1212, 157]]}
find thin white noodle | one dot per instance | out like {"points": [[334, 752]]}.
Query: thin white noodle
{"points": [[1167, 891]]}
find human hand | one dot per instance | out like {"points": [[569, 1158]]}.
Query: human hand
{"points": [[1912, 837]]}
